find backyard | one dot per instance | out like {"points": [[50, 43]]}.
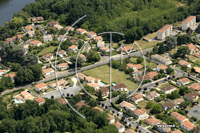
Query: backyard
{"points": [[47, 50], [103, 73]]}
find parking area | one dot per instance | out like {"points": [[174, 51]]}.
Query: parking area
{"points": [[195, 112]]}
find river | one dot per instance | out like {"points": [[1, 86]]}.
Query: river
{"points": [[8, 7]]}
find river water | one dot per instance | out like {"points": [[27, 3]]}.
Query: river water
{"points": [[8, 7]]}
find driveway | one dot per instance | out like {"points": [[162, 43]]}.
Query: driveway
{"points": [[74, 80], [195, 112]]}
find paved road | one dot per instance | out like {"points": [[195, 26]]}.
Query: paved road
{"points": [[87, 47]]}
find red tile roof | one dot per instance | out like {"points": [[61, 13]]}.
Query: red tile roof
{"points": [[188, 124], [48, 55], [28, 27], [191, 46], [81, 30], [35, 42], [73, 47], [164, 28], [139, 111], [40, 85], [195, 86], [184, 80], [188, 19], [184, 63], [152, 121], [163, 67], [39, 100]]}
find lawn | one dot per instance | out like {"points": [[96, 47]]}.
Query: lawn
{"points": [[163, 85], [47, 50], [149, 64], [144, 44], [193, 58], [152, 35], [103, 73]]}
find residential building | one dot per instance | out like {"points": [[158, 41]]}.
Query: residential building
{"points": [[134, 67], [151, 95], [176, 131], [98, 39], [80, 31], [82, 57], [37, 19], [48, 56], [104, 91], [180, 118], [40, 87], [163, 129], [187, 125], [17, 38], [73, 48], [91, 34], [80, 104], [183, 81], [168, 89], [106, 49], [148, 76], [137, 73], [119, 87], [97, 108], [28, 28], [60, 83], [191, 96], [29, 33], [140, 113], [62, 101], [36, 43], [127, 106], [7, 42], [168, 106], [101, 44], [89, 79], [162, 67], [62, 66], [184, 63], [191, 47], [47, 38], [164, 32], [26, 95], [74, 41], [111, 118], [69, 28], [195, 86], [52, 23], [12, 76], [177, 101], [57, 26], [127, 49], [96, 86], [136, 98], [197, 69], [119, 126], [81, 76], [1, 72], [152, 121], [59, 38], [164, 60], [189, 22], [61, 53], [47, 72], [39, 100], [129, 131]]}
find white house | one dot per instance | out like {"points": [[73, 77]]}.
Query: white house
{"points": [[111, 118], [180, 118], [162, 67], [191, 96], [61, 82], [184, 63], [151, 95], [168, 106], [52, 23], [168, 89], [164, 32], [152, 121], [73, 48], [28, 28], [164, 60], [127, 106], [119, 126], [189, 22], [82, 57], [187, 125], [36, 43], [62, 66], [68, 28], [101, 44], [40, 87], [47, 38], [98, 39], [47, 72], [80, 31], [163, 129], [136, 98], [39, 100], [57, 26], [119, 87], [61, 53], [183, 81], [140, 113], [96, 86], [59, 38], [1, 72], [91, 34], [48, 56], [106, 49]]}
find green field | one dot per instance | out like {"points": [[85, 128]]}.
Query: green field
{"points": [[103, 73], [47, 50], [148, 64]]}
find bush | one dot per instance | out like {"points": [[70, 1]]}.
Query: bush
{"points": [[116, 107]]}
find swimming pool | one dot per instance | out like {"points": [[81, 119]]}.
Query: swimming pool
{"points": [[16, 101], [101, 84]]}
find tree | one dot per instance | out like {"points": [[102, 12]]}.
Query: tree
{"points": [[198, 29], [156, 108], [169, 70], [184, 90], [115, 64], [149, 105], [122, 97], [171, 43], [80, 61], [155, 49], [93, 57], [173, 95], [184, 68], [161, 49], [182, 51], [100, 98], [139, 60], [183, 39]]}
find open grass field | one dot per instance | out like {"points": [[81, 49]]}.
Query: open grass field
{"points": [[193, 58], [152, 35], [103, 73], [47, 50], [144, 44], [149, 64]]}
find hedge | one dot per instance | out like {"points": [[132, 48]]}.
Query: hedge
{"points": [[115, 107]]}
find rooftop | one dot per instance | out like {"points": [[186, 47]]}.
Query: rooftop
{"points": [[39, 100], [164, 28], [152, 121], [188, 124], [40, 85], [139, 111], [188, 19]]}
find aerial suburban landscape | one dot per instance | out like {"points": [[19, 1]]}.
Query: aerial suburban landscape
{"points": [[103, 66]]}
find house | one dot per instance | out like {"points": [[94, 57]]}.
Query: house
{"points": [[119, 87], [37, 19], [168, 106], [61, 82], [180, 118], [183, 81], [129, 131], [176, 131], [47, 72], [191, 47], [127, 48], [177, 101], [73, 48], [57, 26], [151, 95], [52, 23], [80, 76], [184, 63], [89, 79], [140, 113], [189, 22], [28, 28], [1, 72], [164, 60], [40, 87], [7, 42], [80, 104], [127, 106], [59, 38], [195, 86], [119, 126], [97, 108], [152, 121], [17, 38], [137, 73], [29, 33], [80, 31], [73, 41], [187, 125], [134, 67], [98, 39], [164, 32], [26, 95], [12, 76], [148, 76], [36, 43], [69, 28], [48, 56], [191, 96], [47, 38], [96, 86], [101, 44], [163, 129], [62, 101], [136, 98], [62, 66], [61, 53], [168, 89], [106, 49], [162, 67], [39, 100], [111, 118], [82, 57], [104, 91], [91, 34], [197, 69]]}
